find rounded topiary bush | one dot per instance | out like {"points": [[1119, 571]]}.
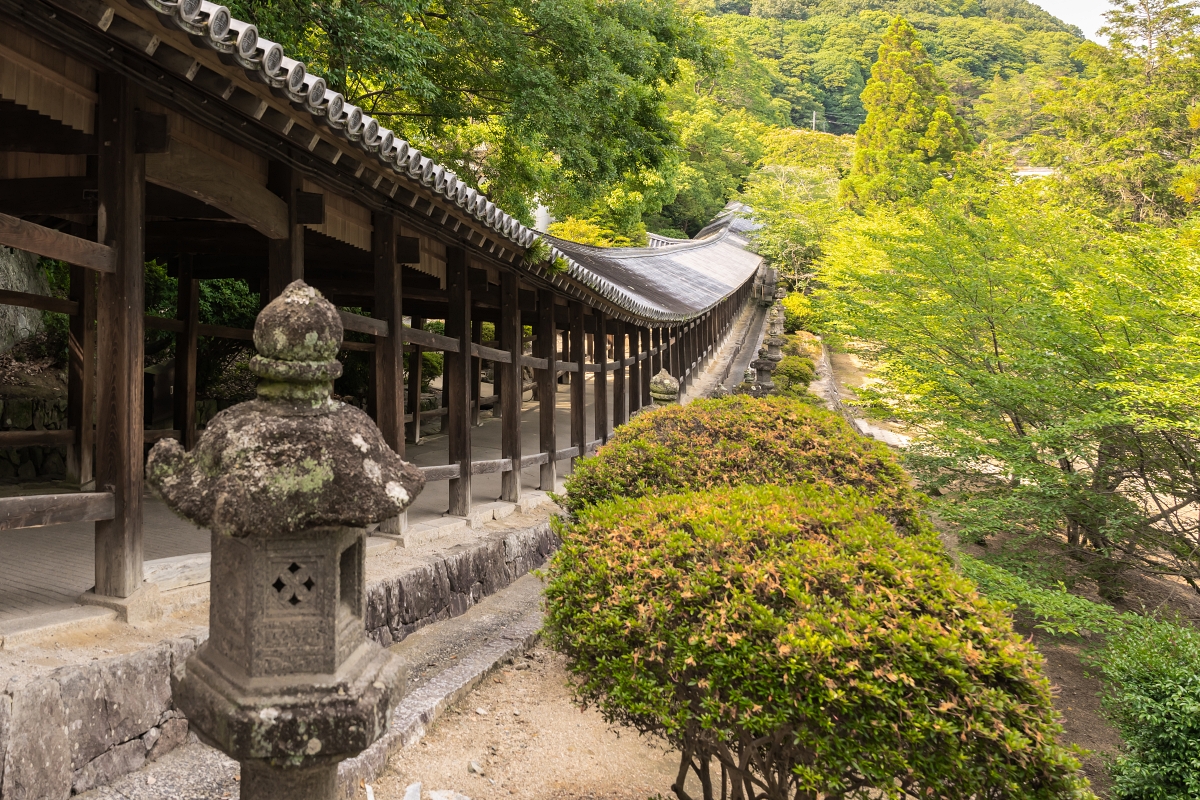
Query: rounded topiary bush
{"points": [[736, 440], [789, 638]]}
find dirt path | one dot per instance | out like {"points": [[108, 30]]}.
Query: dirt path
{"points": [[531, 742]]}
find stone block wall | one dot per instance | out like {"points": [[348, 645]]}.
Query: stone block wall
{"points": [[448, 586], [32, 414], [72, 729], [80, 726]]}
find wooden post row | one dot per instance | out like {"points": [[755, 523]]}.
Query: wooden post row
{"points": [[578, 384]]}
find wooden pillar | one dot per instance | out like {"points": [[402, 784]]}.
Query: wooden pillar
{"points": [[120, 302], [186, 342], [457, 379], [647, 369], [476, 372], [578, 384], [285, 257], [509, 378], [600, 387], [389, 350], [656, 359], [81, 379], [635, 369], [416, 364], [620, 407], [545, 345], [566, 349]]}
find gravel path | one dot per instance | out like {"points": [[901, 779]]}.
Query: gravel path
{"points": [[532, 741]]}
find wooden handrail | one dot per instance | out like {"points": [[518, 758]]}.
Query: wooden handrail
{"points": [[36, 438], [360, 324], [31, 511], [39, 302], [491, 354], [50, 243], [433, 341]]}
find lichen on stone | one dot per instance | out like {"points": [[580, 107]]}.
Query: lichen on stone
{"points": [[293, 458]]}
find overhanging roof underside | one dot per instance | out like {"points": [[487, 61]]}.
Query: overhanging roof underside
{"points": [[666, 284]]}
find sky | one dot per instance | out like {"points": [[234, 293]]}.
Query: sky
{"points": [[1087, 14]]}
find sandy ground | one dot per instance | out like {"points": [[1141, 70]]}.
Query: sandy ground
{"points": [[531, 742]]}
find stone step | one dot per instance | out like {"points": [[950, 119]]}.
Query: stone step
{"points": [[447, 660]]}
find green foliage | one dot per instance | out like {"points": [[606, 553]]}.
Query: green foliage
{"points": [[1125, 134], [793, 375], [1151, 668], [1044, 361], [797, 312], [518, 95], [1153, 672], [912, 132], [736, 440], [791, 636]]}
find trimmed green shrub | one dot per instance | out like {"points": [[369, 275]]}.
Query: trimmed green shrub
{"points": [[736, 440], [793, 375], [790, 641]]}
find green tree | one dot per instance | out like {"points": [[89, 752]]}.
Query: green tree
{"points": [[1044, 361], [912, 131], [1126, 135]]}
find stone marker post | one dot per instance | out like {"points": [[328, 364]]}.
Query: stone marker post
{"points": [[287, 683]]}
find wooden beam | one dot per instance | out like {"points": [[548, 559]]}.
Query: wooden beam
{"points": [[32, 511], [54, 244], [186, 341], [457, 377], [491, 353], [38, 301], [544, 346], [23, 130], [121, 176], [431, 341], [360, 324], [185, 169], [389, 350], [512, 384], [36, 438], [81, 378], [285, 254]]}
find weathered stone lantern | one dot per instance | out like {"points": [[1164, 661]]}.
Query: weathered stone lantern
{"points": [[774, 343], [764, 366], [287, 683], [664, 389]]}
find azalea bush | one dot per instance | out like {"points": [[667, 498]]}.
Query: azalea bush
{"points": [[736, 440], [790, 642]]}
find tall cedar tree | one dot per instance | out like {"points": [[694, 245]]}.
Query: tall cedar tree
{"points": [[911, 132]]}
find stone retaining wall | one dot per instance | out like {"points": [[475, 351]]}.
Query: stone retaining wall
{"points": [[450, 585], [82, 726]]}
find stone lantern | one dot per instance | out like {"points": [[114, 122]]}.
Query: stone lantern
{"points": [[774, 343], [763, 366], [288, 683], [664, 389]]}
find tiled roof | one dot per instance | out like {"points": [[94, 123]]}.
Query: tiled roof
{"points": [[609, 273]]}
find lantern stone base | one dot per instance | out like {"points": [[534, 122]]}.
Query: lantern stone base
{"points": [[298, 722]]}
